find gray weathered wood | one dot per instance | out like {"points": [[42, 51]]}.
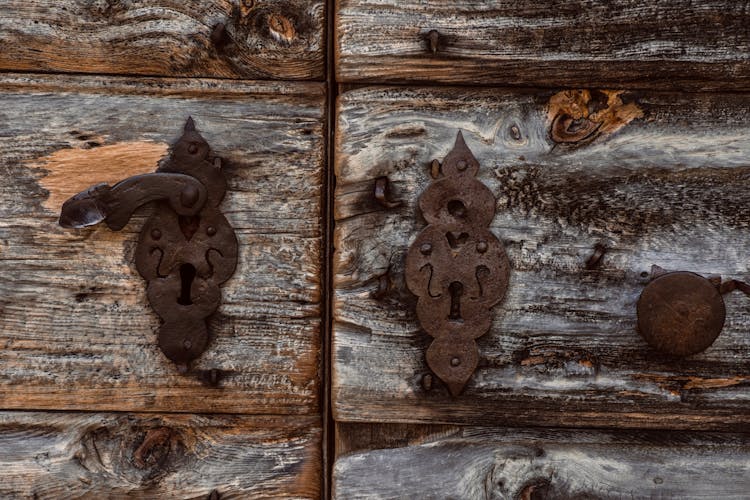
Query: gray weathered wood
{"points": [[76, 329], [274, 39], [663, 183], [676, 43], [104, 455], [475, 462]]}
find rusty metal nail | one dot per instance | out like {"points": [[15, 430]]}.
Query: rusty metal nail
{"points": [[210, 230], [219, 36], [155, 234], [187, 344], [193, 148], [427, 382], [455, 362], [213, 376], [384, 283], [596, 257], [425, 249], [435, 169], [482, 247], [461, 165], [381, 188], [732, 285], [434, 38], [515, 132]]}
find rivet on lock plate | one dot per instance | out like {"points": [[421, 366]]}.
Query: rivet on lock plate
{"points": [[456, 267], [186, 248]]}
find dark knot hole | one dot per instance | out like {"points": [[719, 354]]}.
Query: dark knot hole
{"points": [[187, 275]]}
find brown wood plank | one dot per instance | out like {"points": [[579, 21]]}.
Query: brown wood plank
{"points": [[76, 329], [476, 462], [67, 455], [581, 43], [663, 181], [264, 39]]}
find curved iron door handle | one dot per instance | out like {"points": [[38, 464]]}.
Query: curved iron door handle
{"points": [[186, 248], [115, 205]]}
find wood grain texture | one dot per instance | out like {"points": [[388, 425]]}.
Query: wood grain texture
{"points": [[104, 455], [670, 44], [661, 181], [263, 39], [75, 326], [476, 462]]}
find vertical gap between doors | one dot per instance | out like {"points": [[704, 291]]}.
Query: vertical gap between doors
{"points": [[328, 451]]}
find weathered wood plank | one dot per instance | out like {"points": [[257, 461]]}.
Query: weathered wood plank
{"points": [[676, 43], [353, 437], [264, 39], [66, 455], [662, 181], [475, 462], [76, 329]]}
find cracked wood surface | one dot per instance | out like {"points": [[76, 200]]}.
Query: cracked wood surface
{"points": [[263, 39], [125, 455], [656, 178], [76, 328], [589, 43], [431, 462]]}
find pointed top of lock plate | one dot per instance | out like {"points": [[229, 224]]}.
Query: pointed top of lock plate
{"points": [[460, 160], [189, 124]]}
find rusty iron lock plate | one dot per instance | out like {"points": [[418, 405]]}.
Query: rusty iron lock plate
{"points": [[456, 267], [186, 248], [680, 313]]}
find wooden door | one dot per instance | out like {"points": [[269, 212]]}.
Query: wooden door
{"points": [[98, 91], [613, 136]]}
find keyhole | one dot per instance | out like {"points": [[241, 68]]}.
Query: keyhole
{"points": [[187, 275], [456, 289]]}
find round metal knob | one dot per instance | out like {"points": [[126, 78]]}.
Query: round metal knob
{"points": [[680, 313]]}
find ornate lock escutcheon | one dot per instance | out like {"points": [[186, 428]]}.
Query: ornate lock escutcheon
{"points": [[186, 248], [456, 267]]}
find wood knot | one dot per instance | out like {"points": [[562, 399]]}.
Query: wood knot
{"points": [[281, 28], [154, 449], [578, 117]]}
